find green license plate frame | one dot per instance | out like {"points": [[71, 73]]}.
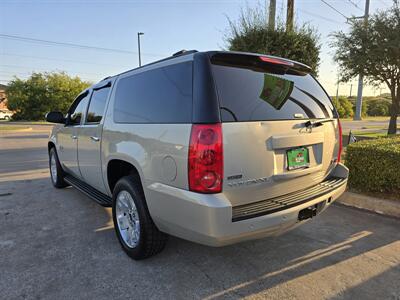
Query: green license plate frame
{"points": [[298, 158]]}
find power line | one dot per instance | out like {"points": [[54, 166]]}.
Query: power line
{"points": [[27, 74], [33, 69], [72, 45], [332, 7], [319, 16], [64, 60], [354, 4]]}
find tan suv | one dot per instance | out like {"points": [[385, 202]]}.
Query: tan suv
{"points": [[213, 147]]}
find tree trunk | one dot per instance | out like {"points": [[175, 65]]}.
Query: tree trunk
{"points": [[394, 111]]}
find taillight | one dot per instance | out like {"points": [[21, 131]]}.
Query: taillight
{"points": [[339, 156], [205, 165]]}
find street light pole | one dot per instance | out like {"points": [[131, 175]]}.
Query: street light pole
{"points": [[289, 15], [357, 115], [138, 41], [271, 15]]}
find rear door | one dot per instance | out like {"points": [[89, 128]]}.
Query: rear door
{"points": [[268, 150], [89, 145]]}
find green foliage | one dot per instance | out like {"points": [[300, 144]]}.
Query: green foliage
{"points": [[373, 49], [378, 108], [344, 107], [43, 92], [374, 165], [251, 34]]}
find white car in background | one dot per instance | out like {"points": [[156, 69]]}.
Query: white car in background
{"points": [[5, 114]]}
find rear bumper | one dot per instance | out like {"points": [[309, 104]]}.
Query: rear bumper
{"points": [[209, 219]]}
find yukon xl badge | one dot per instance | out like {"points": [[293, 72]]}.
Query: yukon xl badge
{"points": [[246, 182]]}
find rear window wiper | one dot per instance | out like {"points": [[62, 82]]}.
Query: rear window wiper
{"points": [[313, 124], [231, 112]]}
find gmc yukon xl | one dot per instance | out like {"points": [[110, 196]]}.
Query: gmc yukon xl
{"points": [[214, 147]]}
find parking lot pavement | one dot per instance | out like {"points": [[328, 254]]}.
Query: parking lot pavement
{"points": [[57, 244]]}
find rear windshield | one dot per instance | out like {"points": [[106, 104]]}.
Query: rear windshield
{"points": [[249, 95]]}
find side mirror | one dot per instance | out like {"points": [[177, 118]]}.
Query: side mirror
{"points": [[55, 117]]}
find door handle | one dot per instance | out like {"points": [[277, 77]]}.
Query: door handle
{"points": [[74, 137], [95, 138]]}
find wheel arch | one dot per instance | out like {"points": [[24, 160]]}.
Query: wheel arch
{"points": [[118, 168], [50, 145]]}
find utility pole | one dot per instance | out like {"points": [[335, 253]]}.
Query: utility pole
{"points": [[271, 15], [357, 115], [351, 89], [138, 42], [337, 89], [289, 15]]}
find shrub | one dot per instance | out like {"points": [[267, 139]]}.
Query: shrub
{"points": [[374, 165], [378, 107], [344, 107]]}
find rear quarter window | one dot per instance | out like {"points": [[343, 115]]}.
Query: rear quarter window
{"points": [[162, 95], [248, 95]]}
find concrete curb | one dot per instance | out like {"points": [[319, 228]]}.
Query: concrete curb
{"points": [[377, 205]]}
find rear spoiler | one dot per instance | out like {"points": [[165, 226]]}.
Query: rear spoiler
{"points": [[259, 62]]}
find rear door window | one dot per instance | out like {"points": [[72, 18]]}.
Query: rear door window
{"points": [[162, 95], [97, 105], [249, 95]]}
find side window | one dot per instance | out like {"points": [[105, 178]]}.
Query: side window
{"points": [[77, 109], [161, 95], [97, 105]]}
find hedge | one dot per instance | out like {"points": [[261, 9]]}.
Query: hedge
{"points": [[374, 165]]}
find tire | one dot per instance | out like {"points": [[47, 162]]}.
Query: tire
{"points": [[7, 118], [136, 231], [57, 174]]}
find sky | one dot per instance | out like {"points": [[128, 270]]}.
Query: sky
{"points": [[168, 27]]}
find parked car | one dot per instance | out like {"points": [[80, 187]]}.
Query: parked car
{"points": [[213, 147], [5, 114]]}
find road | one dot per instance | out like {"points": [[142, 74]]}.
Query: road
{"points": [[58, 244], [366, 125]]}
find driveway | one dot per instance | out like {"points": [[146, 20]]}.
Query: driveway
{"points": [[58, 244]]}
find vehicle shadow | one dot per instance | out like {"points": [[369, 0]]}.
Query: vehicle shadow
{"points": [[307, 261], [343, 253], [310, 260]]}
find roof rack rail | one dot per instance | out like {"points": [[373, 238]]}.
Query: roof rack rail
{"points": [[184, 52]]}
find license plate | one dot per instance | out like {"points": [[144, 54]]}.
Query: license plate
{"points": [[298, 158]]}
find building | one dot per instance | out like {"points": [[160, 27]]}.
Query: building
{"points": [[3, 98]]}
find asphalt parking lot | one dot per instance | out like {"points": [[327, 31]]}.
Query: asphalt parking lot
{"points": [[58, 244]]}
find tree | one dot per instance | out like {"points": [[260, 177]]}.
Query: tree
{"points": [[42, 92], [252, 34], [374, 51]]}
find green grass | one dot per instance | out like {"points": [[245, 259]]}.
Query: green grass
{"points": [[370, 134]]}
